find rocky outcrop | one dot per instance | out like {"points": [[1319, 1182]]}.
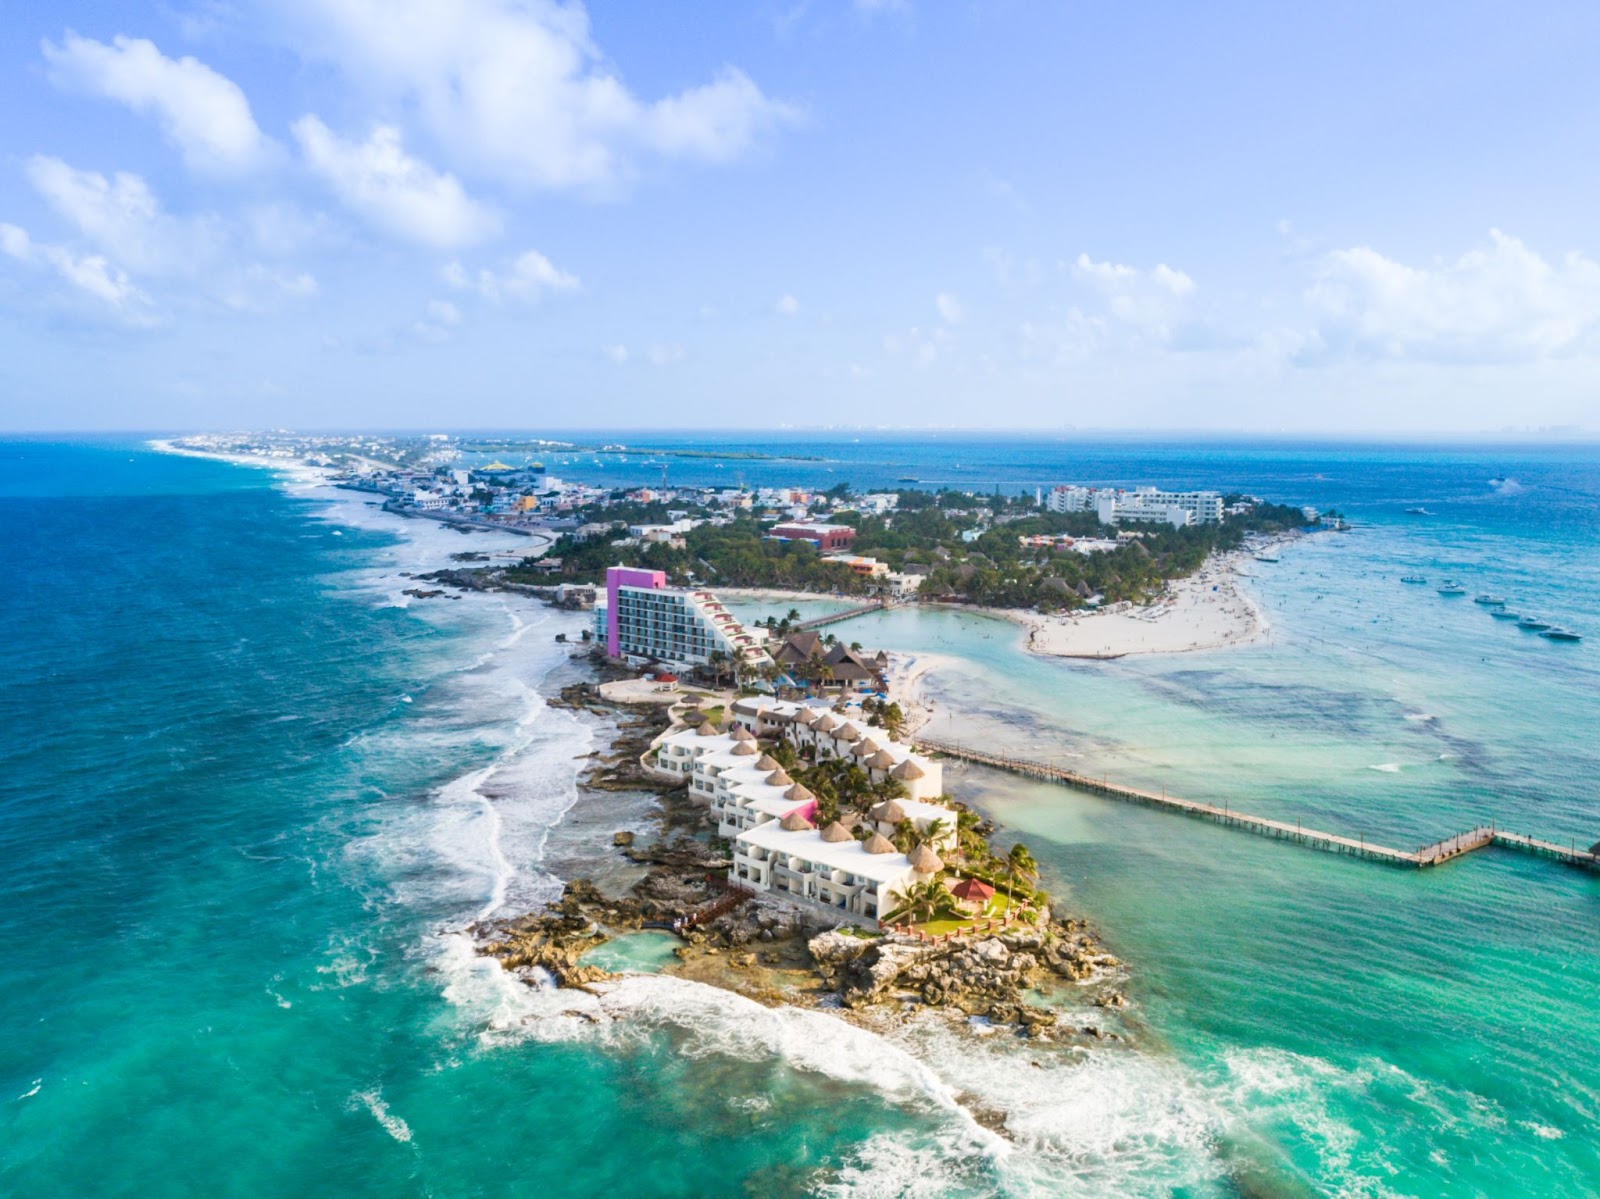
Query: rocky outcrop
{"points": [[987, 977]]}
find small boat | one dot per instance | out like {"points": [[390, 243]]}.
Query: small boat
{"points": [[1490, 601], [1562, 635], [909, 479], [1505, 614], [1451, 587], [1533, 623], [1413, 579], [1266, 558], [1418, 512]]}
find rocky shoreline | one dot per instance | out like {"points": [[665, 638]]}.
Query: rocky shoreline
{"points": [[1034, 981]]}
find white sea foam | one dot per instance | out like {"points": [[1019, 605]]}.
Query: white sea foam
{"points": [[392, 1124], [29, 1094], [1387, 767], [1083, 1124]]}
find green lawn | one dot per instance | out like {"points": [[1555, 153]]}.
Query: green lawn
{"points": [[996, 908]]}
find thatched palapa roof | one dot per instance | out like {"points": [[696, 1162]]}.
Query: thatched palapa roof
{"points": [[795, 823], [835, 833], [779, 778], [878, 843], [743, 734], [799, 793], [882, 760], [925, 861], [768, 762], [908, 770], [889, 812], [744, 749]]}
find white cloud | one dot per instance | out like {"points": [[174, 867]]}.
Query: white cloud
{"points": [[203, 113], [1496, 303], [1073, 338], [90, 274], [122, 216], [1152, 301], [520, 90], [922, 348], [950, 309], [400, 194], [659, 354], [528, 277], [787, 305], [258, 288], [443, 312]]}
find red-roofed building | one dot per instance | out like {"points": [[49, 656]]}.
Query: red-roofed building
{"points": [[827, 538]]}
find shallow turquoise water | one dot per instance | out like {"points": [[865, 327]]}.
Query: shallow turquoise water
{"points": [[249, 801], [1384, 1031], [637, 953]]}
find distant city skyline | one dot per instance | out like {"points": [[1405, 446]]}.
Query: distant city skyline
{"points": [[815, 214]]}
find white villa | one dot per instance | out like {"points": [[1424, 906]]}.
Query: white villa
{"points": [[770, 818]]}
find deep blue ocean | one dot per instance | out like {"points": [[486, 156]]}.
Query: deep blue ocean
{"points": [[251, 794]]}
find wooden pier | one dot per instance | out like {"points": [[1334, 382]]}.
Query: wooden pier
{"points": [[1358, 846], [878, 605]]}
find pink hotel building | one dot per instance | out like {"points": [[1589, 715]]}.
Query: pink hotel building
{"points": [[643, 620]]}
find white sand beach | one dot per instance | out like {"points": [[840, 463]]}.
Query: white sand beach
{"points": [[1209, 610]]}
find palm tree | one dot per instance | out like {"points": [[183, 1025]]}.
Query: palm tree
{"points": [[906, 836], [935, 831], [922, 902], [967, 835], [1020, 864]]}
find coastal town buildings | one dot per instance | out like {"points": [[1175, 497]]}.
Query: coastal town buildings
{"points": [[644, 621], [867, 568], [827, 538]]}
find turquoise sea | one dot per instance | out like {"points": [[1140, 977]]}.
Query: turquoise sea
{"points": [[251, 795]]}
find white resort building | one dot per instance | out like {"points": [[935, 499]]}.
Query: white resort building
{"points": [[1113, 505], [852, 864]]}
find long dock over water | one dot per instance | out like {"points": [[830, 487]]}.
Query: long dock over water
{"points": [[1427, 855], [877, 605]]}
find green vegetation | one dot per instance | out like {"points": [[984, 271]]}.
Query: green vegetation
{"points": [[736, 554], [968, 547]]}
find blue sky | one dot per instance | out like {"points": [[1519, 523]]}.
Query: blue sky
{"points": [[995, 214]]}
